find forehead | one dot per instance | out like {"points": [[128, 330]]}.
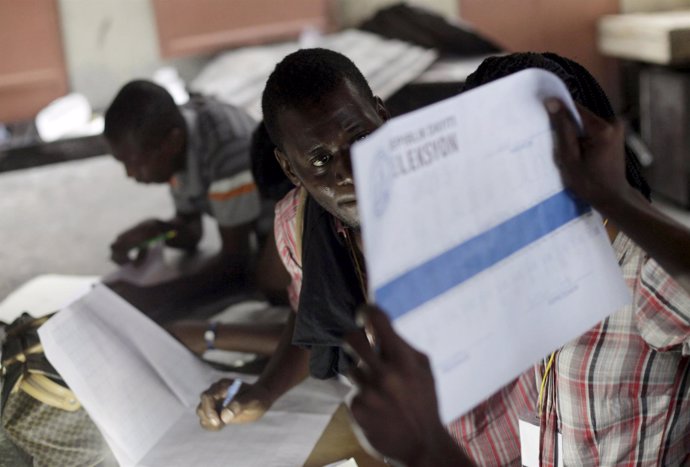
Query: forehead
{"points": [[342, 111]]}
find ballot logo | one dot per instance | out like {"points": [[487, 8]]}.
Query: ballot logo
{"points": [[381, 182]]}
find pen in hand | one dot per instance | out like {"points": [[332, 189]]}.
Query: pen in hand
{"points": [[164, 236], [232, 392], [151, 241]]}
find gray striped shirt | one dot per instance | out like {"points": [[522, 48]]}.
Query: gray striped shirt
{"points": [[217, 178]]}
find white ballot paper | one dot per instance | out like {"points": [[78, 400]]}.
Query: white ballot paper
{"points": [[45, 294], [141, 387], [153, 270], [472, 245]]}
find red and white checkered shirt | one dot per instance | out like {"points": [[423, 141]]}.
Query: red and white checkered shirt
{"points": [[285, 229], [489, 433], [619, 394]]}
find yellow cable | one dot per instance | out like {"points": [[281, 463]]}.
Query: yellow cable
{"points": [[543, 382]]}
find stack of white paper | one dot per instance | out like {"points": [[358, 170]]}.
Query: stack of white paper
{"points": [[141, 387]]}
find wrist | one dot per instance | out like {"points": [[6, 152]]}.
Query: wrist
{"points": [[613, 200], [265, 394], [615, 203], [210, 335]]}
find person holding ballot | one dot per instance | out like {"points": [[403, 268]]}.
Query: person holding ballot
{"points": [[201, 149], [618, 394], [593, 166]]}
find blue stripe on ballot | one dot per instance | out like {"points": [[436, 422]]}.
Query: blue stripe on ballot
{"points": [[450, 269]]}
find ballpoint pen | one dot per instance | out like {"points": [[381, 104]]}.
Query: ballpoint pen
{"points": [[151, 241], [164, 236], [232, 392]]}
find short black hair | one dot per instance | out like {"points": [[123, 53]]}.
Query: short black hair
{"points": [[583, 87], [270, 179], [303, 78], [143, 110]]}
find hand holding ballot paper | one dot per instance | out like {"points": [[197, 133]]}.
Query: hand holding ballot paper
{"points": [[406, 426], [501, 266], [526, 298]]}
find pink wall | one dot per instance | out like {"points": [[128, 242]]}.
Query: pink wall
{"points": [[32, 67], [567, 27], [201, 26]]}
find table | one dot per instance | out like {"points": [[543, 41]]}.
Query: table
{"points": [[338, 442]]}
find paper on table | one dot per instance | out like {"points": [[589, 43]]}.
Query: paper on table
{"points": [[351, 462], [291, 429], [125, 394], [472, 244], [45, 294], [141, 387], [153, 270]]}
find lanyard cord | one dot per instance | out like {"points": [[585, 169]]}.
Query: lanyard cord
{"points": [[540, 401], [549, 365]]}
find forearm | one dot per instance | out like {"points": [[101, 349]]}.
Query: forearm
{"points": [[209, 279], [661, 237], [260, 339], [288, 366], [214, 273], [251, 338]]}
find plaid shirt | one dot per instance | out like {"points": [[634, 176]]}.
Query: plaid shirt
{"points": [[489, 433], [619, 394], [288, 241], [216, 178]]}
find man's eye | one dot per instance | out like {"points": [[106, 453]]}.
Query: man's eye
{"points": [[321, 160]]}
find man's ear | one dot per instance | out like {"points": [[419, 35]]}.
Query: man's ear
{"points": [[381, 109], [286, 166]]}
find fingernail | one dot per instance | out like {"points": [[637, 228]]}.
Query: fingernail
{"points": [[360, 318], [227, 415], [552, 105]]}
